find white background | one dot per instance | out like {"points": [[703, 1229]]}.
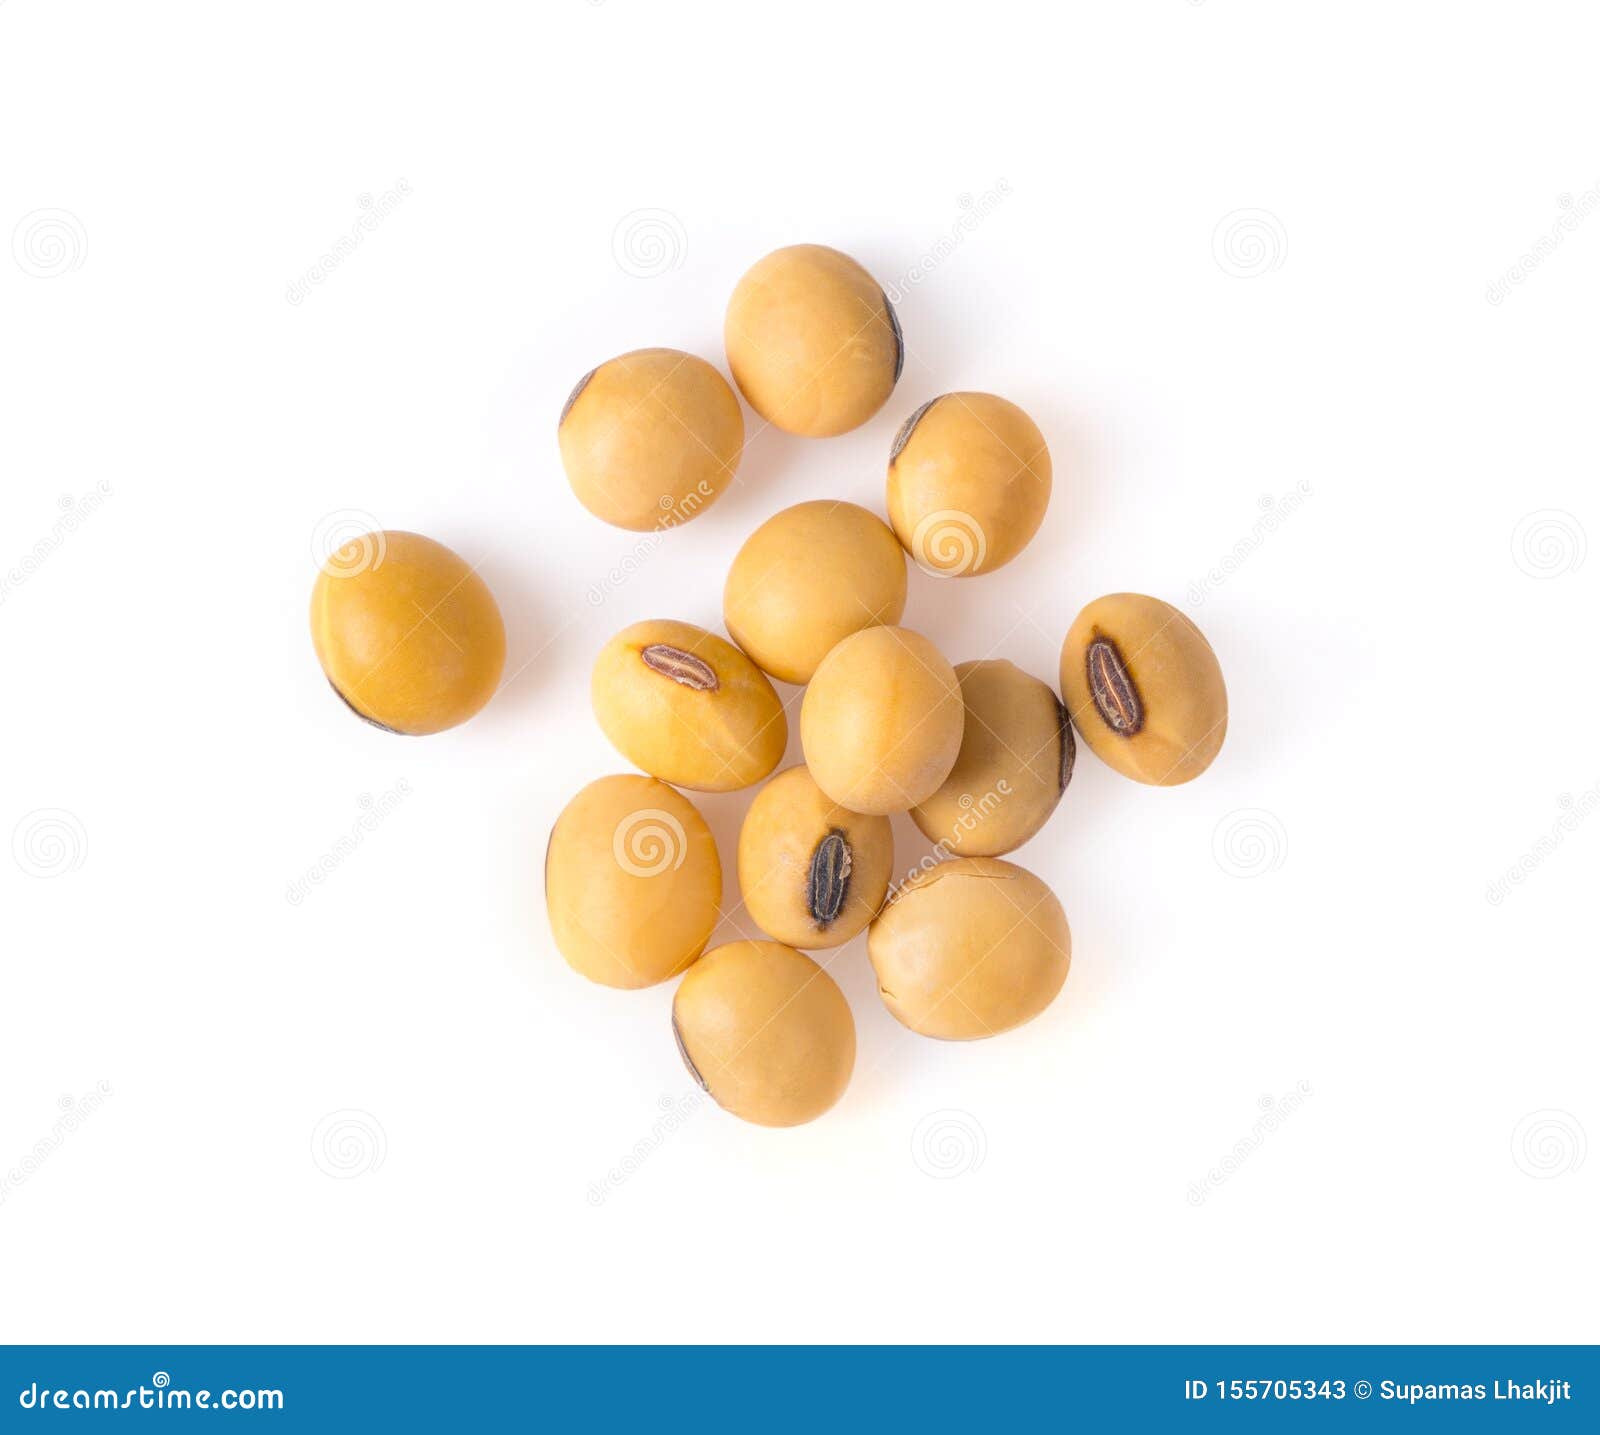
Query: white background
{"points": [[1410, 658]]}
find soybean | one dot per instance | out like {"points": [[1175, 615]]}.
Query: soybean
{"points": [[813, 341], [809, 577], [970, 948], [651, 438], [688, 707], [812, 873], [1144, 689], [632, 882], [881, 721], [969, 482], [766, 1032], [1016, 760], [408, 635]]}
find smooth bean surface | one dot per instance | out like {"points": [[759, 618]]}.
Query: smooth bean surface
{"points": [[813, 342], [881, 721], [1015, 762], [688, 707], [969, 482], [812, 873], [632, 881], [1144, 689], [651, 438], [809, 577], [407, 633], [970, 948], [766, 1032]]}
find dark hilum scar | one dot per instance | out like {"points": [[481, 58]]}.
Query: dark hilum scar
{"points": [[902, 438], [1112, 689], [899, 338], [683, 1051], [680, 666], [828, 882], [382, 727], [1069, 744], [572, 398]]}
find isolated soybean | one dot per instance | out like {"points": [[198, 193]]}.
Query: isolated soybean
{"points": [[632, 881], [688, 707], [969, 482], [812, 873], [813, 341], [806, 579], [651, 438], [1144, 689], [766, 1032], [408, 634]]}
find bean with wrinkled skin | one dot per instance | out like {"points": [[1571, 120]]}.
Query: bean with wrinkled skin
{"points": [[688, 707], [970, 948], [969, 482], [632, 881], [881, 721], [406, 632], [1015, 762], [812, 873], [809, 577], [813, 341], [1144, 689], [766, 1032], [651, 438]]}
